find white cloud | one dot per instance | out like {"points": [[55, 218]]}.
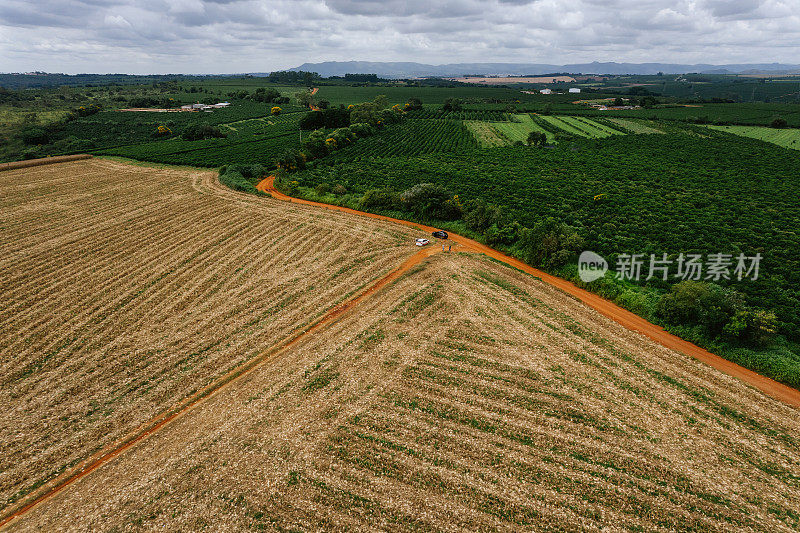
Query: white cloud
{"points": [[196, 36], [117, 21]]}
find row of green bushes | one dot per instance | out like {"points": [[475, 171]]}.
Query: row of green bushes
{"points": [[355, 121], [717, 313]]}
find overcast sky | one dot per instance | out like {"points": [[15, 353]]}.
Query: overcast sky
{"points": [[226, 36]]}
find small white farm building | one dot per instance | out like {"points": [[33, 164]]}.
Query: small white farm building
{"points": [[545, 91], [204, 107], [574, 90]]}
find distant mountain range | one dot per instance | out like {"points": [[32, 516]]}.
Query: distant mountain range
{"points": [[419, 70]]}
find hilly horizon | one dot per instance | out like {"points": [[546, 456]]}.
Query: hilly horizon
{"points": [[404, 69]]}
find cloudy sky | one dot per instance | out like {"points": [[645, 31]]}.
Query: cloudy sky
{"points": [[225, 36]]}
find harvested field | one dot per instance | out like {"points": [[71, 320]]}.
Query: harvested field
{"points": [[126, 288], [463, 395], [467, 396]]}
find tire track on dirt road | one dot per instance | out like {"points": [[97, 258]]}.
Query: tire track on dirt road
{"points": [[629, 320], [160, 421]]}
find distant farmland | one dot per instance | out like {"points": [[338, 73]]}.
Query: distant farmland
{"points": [[514, 79]]}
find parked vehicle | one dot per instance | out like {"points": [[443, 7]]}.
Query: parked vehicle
{"points": [[422, 242], [440, 234]]}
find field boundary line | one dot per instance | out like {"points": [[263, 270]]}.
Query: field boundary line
{"points": [[43, 161], [625, 318], [153, 425]]}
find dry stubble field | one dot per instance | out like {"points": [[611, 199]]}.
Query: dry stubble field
{"points": [[464, 395], [126, 288]]}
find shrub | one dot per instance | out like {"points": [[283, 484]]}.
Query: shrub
{"points": [[506, 234], [236, 181], [537, 138], [196, 132], [242, 177], [362, 129], [316, 144], [778, 123], [550, 243], [413, 104], [265, 95], [430, 200], [380, 199], [700, 303], [452, 104], [635, 301], [337, 117], [342, 136], [390, 116], [85, 111], [754, 326], [292, 160], [563, 137], [479, 216], [34, 135]]}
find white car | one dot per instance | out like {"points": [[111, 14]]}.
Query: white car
{"points": [[422, 242]]}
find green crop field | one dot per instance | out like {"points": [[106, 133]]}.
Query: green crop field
{"points": [[787, 138], [413, 137], [519, 128], [261, 140], [593, 128], [568, 125], [636, 126], [487, 135], [343, 94], [520, 125]]}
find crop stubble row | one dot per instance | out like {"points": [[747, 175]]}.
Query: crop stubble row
{"points": [[467, 395], [133, 288]]}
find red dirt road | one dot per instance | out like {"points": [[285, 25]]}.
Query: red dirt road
{"points": [[629, 320]]}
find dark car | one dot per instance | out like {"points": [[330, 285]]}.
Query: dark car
{"points": [[440, 234]]}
